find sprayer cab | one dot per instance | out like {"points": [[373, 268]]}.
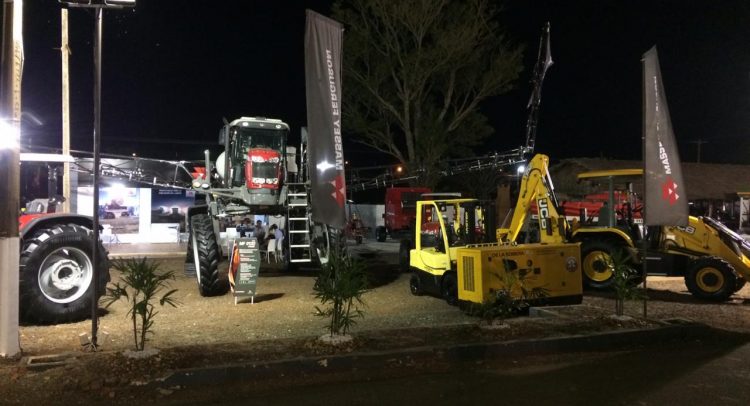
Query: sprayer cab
{"points": [[249, 176]]}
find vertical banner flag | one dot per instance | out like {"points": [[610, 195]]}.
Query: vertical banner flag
{"points": [[666, 198], [323, 40]]}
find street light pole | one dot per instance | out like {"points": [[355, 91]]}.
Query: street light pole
{"points": [[98, 6], [97, 143]]}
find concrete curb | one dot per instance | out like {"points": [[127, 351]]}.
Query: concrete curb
{"points": [[352, 362]]}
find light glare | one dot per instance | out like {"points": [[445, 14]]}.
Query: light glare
{"points": [[9, 136]]}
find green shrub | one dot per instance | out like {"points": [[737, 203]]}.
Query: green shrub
{"points": [[340, 286], [141, 284], [503, 304], [625, 281]]}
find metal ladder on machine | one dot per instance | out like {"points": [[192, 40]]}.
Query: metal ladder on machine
{"points": [[298, 224], [298, 210]]}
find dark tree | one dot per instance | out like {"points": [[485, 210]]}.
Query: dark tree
{"points": [[416, 71]]}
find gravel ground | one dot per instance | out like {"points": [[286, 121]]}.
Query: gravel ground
{"points": [[284, 308], [281, 324], [669, 298], [285, 305]]}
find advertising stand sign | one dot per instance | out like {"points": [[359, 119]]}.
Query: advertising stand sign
{"points": [[244, 266]]}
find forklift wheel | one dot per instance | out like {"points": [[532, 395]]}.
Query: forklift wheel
{"points": [[450, 288], [415, 285]]}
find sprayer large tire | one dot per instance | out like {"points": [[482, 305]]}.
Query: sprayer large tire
{"points": [[207, 256], [56, 271]]}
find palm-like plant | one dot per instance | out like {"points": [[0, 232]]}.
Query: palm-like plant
{"points": [[340, 285], [624, 281], [141, 284]]}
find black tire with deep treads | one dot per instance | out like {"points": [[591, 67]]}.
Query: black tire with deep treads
{"points": [[711, 278], [190, 270], [35, 307], [206, 256]]}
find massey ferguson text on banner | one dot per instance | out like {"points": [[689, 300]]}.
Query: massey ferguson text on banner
{"points": [[323, 38], [666, 198]]}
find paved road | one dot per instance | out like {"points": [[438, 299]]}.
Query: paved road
{"points": [[689, 373]]}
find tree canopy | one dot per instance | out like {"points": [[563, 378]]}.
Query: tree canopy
{"points": [[416, 71]]}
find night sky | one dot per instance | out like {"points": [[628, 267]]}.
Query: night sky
{"points": [[173, 69]]}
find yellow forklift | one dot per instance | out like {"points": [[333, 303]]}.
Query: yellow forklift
{"points": [[458, 255]]}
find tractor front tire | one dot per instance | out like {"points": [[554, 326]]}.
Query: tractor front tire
{"points": [[711, 278], [596, 263], [206, 256], [56, 274]]}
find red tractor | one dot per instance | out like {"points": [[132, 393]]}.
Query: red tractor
{"points": [[56, 265]]}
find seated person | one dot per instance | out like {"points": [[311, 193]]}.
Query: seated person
{"points": [[244, 227]]}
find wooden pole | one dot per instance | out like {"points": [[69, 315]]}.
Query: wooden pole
{"points": [[10, 130], [65, 51]]}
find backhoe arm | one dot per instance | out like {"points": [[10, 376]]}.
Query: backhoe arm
{"points": [[536, 186]]}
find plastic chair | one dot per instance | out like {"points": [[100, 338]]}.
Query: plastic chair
{"points": [[279, 249], [270, 249]]}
